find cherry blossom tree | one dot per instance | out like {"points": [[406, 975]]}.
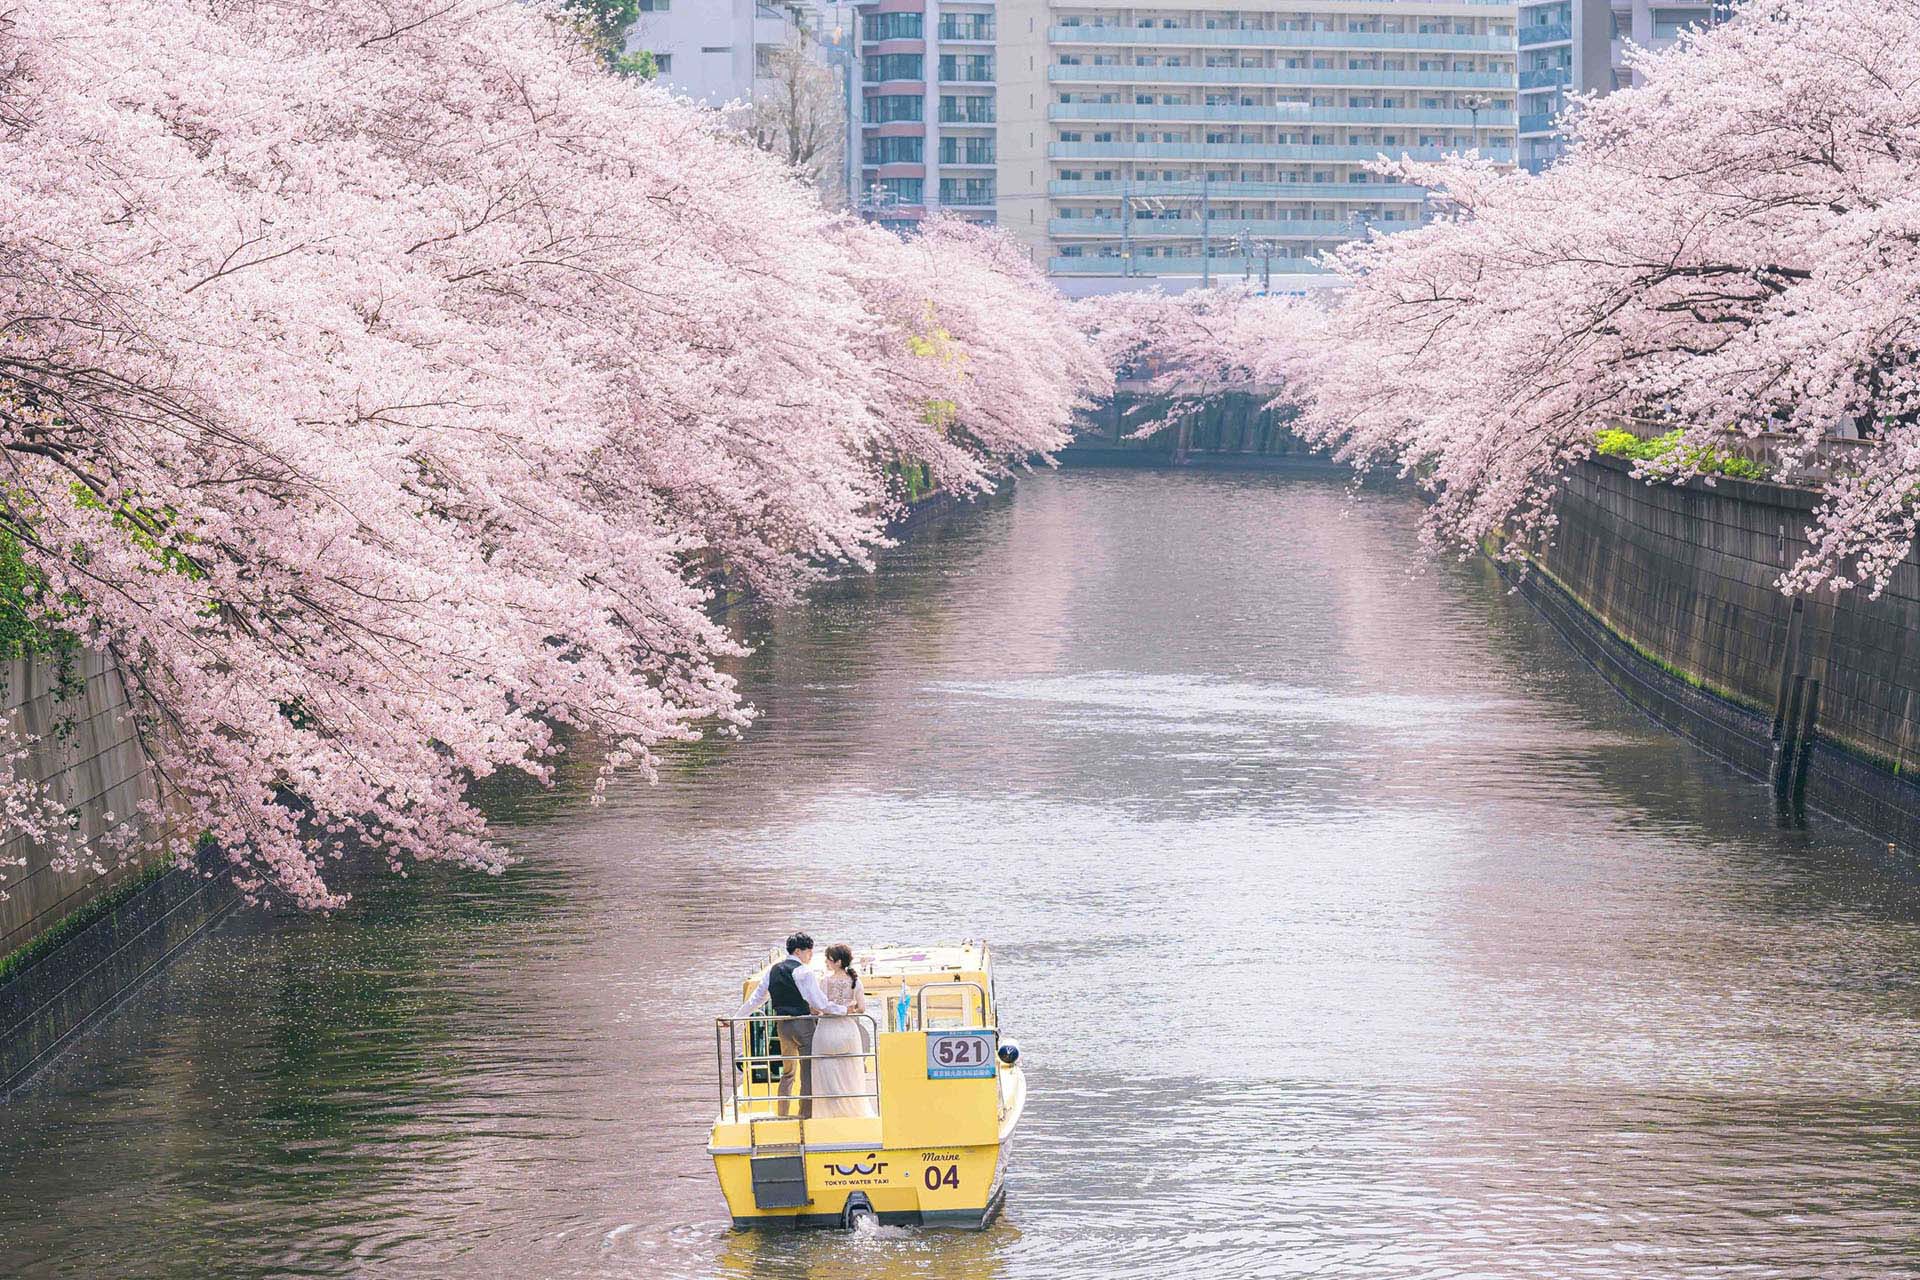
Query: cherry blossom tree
{"points": [[381, 381], [1732, 246]]}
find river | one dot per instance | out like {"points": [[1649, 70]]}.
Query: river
{"points": [[1351, 927]]}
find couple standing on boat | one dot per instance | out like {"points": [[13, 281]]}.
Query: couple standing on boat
{"points": [[814, 1016]]}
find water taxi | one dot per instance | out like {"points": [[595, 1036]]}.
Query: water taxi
{"points": [[941, 1092]]}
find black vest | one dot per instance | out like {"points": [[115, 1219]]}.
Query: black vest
{"points": [[784, 992]]}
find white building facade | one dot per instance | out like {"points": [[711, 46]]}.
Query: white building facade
{"points": [[715, 51], [1172, 140]]}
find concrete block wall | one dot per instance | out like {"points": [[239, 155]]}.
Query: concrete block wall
{"points": [[1688, 573], [1671, 592], [86, 748]]}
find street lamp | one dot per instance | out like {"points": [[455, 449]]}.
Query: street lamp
{"points": [[1475, 103]]}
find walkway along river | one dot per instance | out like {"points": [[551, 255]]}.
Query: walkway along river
{"points": [[1352, 927]]}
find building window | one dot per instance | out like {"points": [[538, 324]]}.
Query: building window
{"points": [[890, 66], [966, 66], [663, 64], [902, 190], [970, 110], [907, 150], [965, 151], [888, 107], [889, 26], [966, 191], [655, 6]]}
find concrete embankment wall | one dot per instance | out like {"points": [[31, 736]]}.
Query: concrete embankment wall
{"points": [[1671, 592], [1226, 430], [73, 941]]}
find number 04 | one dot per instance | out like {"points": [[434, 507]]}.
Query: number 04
{"points": [[938, 1176]]}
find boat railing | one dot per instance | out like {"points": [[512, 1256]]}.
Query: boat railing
{"points": [[749, 1082], [967, 1007]]}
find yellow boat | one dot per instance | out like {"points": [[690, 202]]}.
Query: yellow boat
{"points": [[943, 1092]]}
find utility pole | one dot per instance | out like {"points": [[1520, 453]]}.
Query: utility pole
{"points": [[1126, 226], [1206, 227]]}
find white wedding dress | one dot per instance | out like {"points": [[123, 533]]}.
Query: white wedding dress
{"points": [[844, 1076]]}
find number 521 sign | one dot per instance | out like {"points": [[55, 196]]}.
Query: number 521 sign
{"points": [[961, 1055]]}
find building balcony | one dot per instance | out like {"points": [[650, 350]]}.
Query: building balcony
{"points": [[1544, 122], [1542, 33], [1225, 151], [1222, 228], [1222, 191], [1546, 78], [1287, 113], [1222, 267], [1214, 37], [1295, 77]]}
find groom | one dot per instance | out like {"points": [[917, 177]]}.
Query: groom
{"points": [[794, 991]]}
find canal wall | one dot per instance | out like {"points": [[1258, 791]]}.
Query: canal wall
{"points": [[74, 941], [1669, 590], [1234, 430]]}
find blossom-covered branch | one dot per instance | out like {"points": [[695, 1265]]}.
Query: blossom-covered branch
{"points": [[379, 380]]}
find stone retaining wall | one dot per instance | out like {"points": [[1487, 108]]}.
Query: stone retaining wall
{"points": [[88, 938], [84, 745], [1670, 591]]}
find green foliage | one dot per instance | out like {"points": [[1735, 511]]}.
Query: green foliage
{"points": [[20, 635], [636, 66], [914, 477], [605, 24], [1667, 452]]}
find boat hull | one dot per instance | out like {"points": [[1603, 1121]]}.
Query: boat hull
{"points": [[939, 1186], [787, 1173]]}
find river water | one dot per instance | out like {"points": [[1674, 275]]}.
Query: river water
{"points": [[1351, 928]]}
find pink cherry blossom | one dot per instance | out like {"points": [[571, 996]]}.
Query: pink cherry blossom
{"points": [[382, 383]]}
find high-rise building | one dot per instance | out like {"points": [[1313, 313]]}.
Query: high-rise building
{"points": [[1183, 138], [1579, 46], [928, 109]]}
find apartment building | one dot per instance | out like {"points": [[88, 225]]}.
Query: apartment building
{"points": [[715, 51], [927, 109], [1193, 140], [1579, 46]]}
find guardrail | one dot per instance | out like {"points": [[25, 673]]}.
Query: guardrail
{"points": [[739, 1073]]}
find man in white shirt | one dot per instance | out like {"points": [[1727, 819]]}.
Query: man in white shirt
{"points": [[794, 991]]}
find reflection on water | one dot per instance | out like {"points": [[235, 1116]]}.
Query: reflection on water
{"points": [[1351, 928]]}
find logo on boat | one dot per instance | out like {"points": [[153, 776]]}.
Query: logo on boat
{"points": [[865, 1170]]}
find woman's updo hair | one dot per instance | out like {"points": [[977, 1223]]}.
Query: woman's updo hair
{"points": [[842, 954]]}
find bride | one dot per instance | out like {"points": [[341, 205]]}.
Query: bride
{"points": [[835, 1075]]}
